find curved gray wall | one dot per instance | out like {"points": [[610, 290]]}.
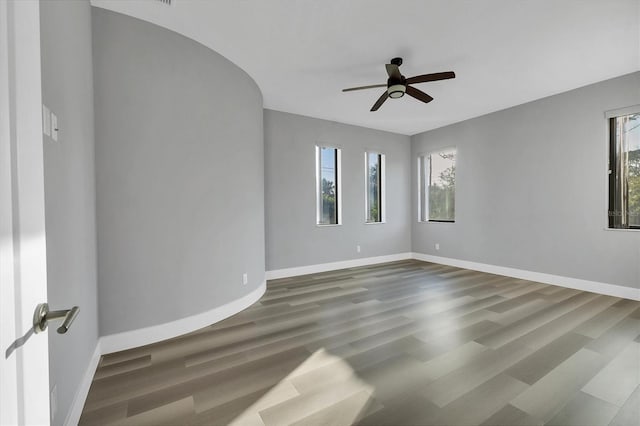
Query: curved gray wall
{"points": [[179, 175]]}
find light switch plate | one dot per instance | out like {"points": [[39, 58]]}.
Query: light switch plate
{"points": [[54, 127], [46, 120]]}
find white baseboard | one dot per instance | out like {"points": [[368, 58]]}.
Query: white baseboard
{"points": [[147, 335], [575, 283], [144, 336], [332, 266], [75, 411], [562, 281]]}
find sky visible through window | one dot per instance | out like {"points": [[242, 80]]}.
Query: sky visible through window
{"points": [[328, 214], [633, 133], [440, 164], [328, 162]]}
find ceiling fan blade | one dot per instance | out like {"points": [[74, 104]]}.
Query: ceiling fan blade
{"points": [[393, 71], [364, 87], [431, 77], [418, 94], [380, 101]]}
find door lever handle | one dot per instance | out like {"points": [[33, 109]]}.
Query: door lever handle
{"points": [[43, 315]]}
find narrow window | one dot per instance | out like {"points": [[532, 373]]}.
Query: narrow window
{"points": [[328, 185], [374, 167], [624, 171], [437, 186]]}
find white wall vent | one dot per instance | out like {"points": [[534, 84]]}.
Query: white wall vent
{"points": [[167, 2]]}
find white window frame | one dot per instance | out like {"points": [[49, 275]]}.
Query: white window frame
{"points": [[319, 183], [423, 197], [383, 179], [608, 115]]}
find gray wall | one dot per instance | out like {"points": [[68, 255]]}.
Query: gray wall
{"points": [[67, 84], [180, 195], [531, 188], [292, 237]]}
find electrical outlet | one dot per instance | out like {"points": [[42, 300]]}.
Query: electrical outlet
{"points": [[53, 400], [437, 246], [245, 278], [358, 248]]}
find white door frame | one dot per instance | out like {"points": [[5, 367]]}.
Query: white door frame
{"points": [[24, 388]]}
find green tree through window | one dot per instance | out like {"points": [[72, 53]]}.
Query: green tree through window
{"points": [[328, 162], [374, 187], [328, 202], [633, 132], [438, 186], [624, 172]]}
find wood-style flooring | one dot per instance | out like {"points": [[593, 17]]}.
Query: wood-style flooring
{"points": [[403, 343]]}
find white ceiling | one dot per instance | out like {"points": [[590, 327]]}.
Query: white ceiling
{"points": [[505, 52]]}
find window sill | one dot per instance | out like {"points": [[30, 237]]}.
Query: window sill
{"points": [[622, 229], [327, 225], [436, 222], [375, 223]]}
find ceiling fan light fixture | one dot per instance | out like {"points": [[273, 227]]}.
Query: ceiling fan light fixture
{"points": [[396, 91], [397, 84]]}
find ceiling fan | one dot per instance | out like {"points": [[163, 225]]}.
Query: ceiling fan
{"points": [[397, 85]]}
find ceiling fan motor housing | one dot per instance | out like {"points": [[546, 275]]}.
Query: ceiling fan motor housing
{"points": [[396, 87]]}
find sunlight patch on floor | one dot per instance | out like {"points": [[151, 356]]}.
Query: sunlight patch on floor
{"points": [[324, 389]]}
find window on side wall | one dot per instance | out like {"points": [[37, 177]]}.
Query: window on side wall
{"points": [[624, 171], [437, 186], [328, 186], [374, 195]]}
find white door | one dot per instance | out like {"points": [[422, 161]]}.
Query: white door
{"points": [[24, 370]]}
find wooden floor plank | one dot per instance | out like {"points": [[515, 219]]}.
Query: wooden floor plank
{"points": [[401, 343], [617, 381], [630, 411], [541, 362], [549, 394], [582, 410]]}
